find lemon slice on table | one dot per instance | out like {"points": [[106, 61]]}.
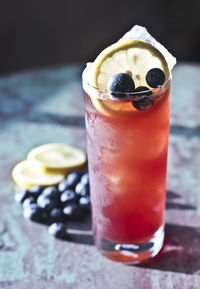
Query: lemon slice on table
{"points": [[134, 57], [57, 157], [26, 176]]}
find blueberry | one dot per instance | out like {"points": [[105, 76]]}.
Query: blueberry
{"points": [[142, 90], [155, 77], [120, 82], [73, 178], [35, 191], [82, 189], [85, 179], [84, 203], [72, 211], [56, 215], [27, 202], [68, 196], [58, 230], [143, 103], [63, 186], [70, 182], [50, 192], [46, 202], [21, 196], [35, 213]]}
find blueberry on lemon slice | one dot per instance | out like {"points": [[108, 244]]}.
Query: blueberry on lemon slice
{"points": [[121, 70], [120, 84]]}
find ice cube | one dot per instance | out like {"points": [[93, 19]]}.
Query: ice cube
{"points": [[141, 33]]}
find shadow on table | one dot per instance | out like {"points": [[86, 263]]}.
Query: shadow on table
{"points": [[64, 120], [180, 252], [170, 204], [184, 130], [81, 231]]}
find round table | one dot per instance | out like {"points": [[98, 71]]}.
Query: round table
{"points": [[46, 105]]}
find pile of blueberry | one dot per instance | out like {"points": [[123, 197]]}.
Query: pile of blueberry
{"points": [[54, 205]]}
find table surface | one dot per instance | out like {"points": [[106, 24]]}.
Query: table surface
{"points": [[46, 105]]}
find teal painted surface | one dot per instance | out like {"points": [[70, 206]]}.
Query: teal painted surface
{"points": [[12, 260], [45, 106], [45, 255]]}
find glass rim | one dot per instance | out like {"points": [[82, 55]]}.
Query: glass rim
{"points": [[127, 95]]}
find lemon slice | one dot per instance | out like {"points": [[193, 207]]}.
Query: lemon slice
{"points": [[135, 57], [57, 157], [26, 176]]}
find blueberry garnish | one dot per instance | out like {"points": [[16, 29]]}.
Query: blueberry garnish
{"points": [[142, 90], [155, 77], [58, 230], [143, 103], [119, 84], [142, 100]]}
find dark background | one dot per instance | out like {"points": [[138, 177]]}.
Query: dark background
{"points": [[37, 33]]}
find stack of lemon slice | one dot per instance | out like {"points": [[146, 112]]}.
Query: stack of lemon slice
{"points": [[48, 165]]}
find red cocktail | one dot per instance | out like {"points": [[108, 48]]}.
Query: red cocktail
{"points": [[127, 153], [127, 108]]}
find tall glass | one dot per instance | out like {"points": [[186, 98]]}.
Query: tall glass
{"points": [[127, 154]]}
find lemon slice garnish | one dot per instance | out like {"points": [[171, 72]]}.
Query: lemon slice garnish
{"points": [[26, 176], [135, 57], [57, 157]]}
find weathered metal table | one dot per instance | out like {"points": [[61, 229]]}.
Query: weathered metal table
{"points": [[46, 105]]}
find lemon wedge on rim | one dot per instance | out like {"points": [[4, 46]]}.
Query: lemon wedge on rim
{"points": [[135, 57], [57, 157], [26, 176]]}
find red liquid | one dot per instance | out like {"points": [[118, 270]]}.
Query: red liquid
{"points": [[127, 164]]}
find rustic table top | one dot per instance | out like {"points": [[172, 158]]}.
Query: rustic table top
{"points": [[46, 105]]}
